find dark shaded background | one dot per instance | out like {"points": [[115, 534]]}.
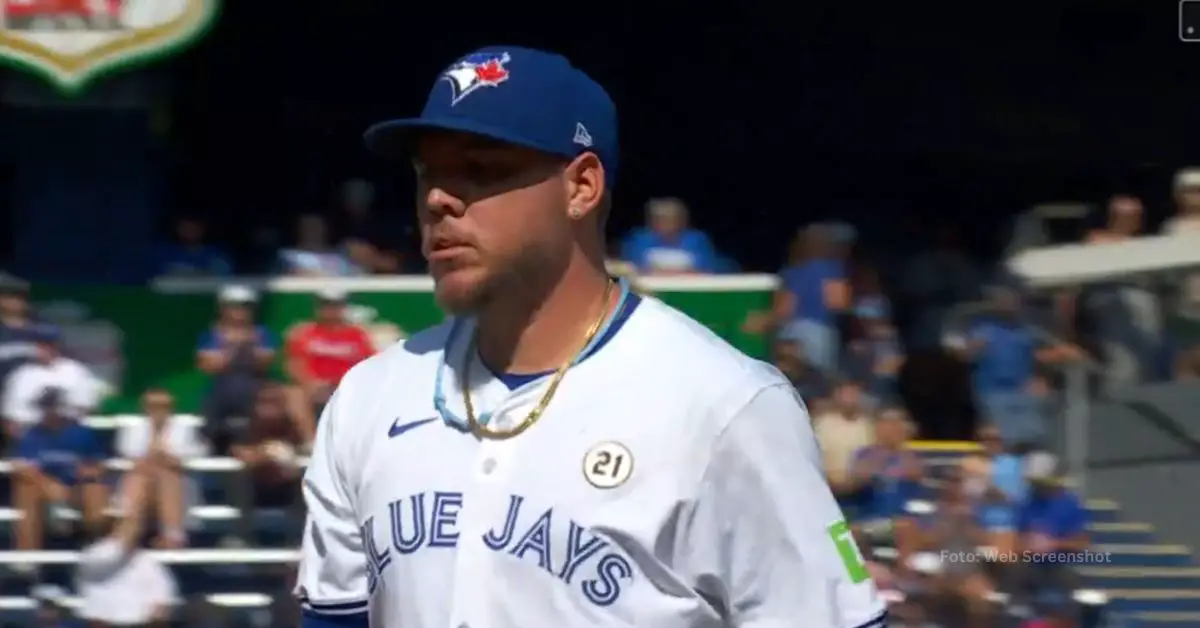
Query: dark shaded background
{"points": [[762, 116], [900, 119]]}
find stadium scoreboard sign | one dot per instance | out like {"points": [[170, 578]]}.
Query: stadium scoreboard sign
{"points": [[72, 42]]}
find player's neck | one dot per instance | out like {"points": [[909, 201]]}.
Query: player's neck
{"points": [[537, 333]]}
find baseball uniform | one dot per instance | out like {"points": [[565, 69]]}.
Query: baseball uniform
{"points": [[672, 481]]}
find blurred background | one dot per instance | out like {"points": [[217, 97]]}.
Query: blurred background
{"points": [[970, 236]]}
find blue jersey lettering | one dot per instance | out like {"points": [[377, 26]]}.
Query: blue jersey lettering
{"points": [[430, 520]]}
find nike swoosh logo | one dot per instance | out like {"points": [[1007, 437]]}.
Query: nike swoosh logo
{"points": [[399, 428]]}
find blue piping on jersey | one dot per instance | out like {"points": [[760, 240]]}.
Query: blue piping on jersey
{"points": [[624, 310], [439, 396], [314, 619]]}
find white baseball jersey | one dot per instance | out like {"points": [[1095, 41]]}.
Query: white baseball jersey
{"points": [[672, 482]]}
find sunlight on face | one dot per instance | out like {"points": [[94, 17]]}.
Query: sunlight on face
{"points": [[491, 215]]}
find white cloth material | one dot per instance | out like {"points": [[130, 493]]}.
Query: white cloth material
{"points": [[82, 390], [672, 482], [179, 436], [122, 588]]}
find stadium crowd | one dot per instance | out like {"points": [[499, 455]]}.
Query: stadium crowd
{"points": [[951, 540]]}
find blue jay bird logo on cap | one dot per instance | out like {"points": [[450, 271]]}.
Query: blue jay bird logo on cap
{"points": [[475, 71]]}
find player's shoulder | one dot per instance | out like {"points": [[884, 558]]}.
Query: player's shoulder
{"points": [[407, 363], [713, 378], [687, 350]]}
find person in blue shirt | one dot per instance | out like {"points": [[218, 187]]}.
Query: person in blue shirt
{"points": [[813, 290], [59, 464], [190, 256], [1053, 524], [1000, 481], [1006, 352], [884, 477], [876, 355], [667, 245], [237, 353], [952, 532]]}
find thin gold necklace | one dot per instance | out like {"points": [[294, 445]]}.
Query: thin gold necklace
{"points": [[479, 430]]}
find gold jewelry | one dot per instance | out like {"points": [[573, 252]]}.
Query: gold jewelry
{"points": [[481, 431]]}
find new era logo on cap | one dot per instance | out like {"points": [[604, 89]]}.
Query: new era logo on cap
{"points": [[582, 137], [516, 95]]}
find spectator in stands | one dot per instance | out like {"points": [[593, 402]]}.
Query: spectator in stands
{"points": [[59, 464], [49, 370], [160, 443], [355, 200], [18, 334], [236, 353], [813, 385], [875, 356], [1005, 352], [953, 532], [389, 258], [1187, 202], [995, 479], [1124, 316], [314, 255], [843, 429], [813, 291], [269, 450], [1124, 220], [359, 223], [667, 245], [190, 255], [319, 353], [1052, 520], [119, 583], [885, 476]]}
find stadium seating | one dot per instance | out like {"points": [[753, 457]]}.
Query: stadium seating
{"points": [[1148, 582]]}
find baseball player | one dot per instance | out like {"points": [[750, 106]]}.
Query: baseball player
{"points": [[561, 452]]}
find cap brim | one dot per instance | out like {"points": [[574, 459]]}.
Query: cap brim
{"points": [[394, 138]]}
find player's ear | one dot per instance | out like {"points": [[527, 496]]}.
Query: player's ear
{"points": [[585, 186]]}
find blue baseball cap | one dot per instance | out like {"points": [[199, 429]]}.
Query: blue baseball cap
{"points": [[516, 95]]}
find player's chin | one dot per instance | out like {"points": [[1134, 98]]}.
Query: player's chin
{"points": [[459, 290]]}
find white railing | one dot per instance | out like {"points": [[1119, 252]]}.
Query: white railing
{"points": [[222, 600], [166, 557], [210, 465]]}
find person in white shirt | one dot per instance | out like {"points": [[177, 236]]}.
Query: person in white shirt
{"points": [[562, 452], [51, 369], [119, 583], [161, 442]]}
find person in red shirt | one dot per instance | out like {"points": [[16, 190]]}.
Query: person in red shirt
{"points": [[320, 352]]}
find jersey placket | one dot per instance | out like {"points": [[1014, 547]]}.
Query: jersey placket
{"points": [[485, 504]]}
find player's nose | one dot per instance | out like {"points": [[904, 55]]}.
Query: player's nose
{"points": [[442, 203]]}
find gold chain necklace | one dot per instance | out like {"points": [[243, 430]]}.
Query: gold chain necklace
{"points": [[479, 430]]}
